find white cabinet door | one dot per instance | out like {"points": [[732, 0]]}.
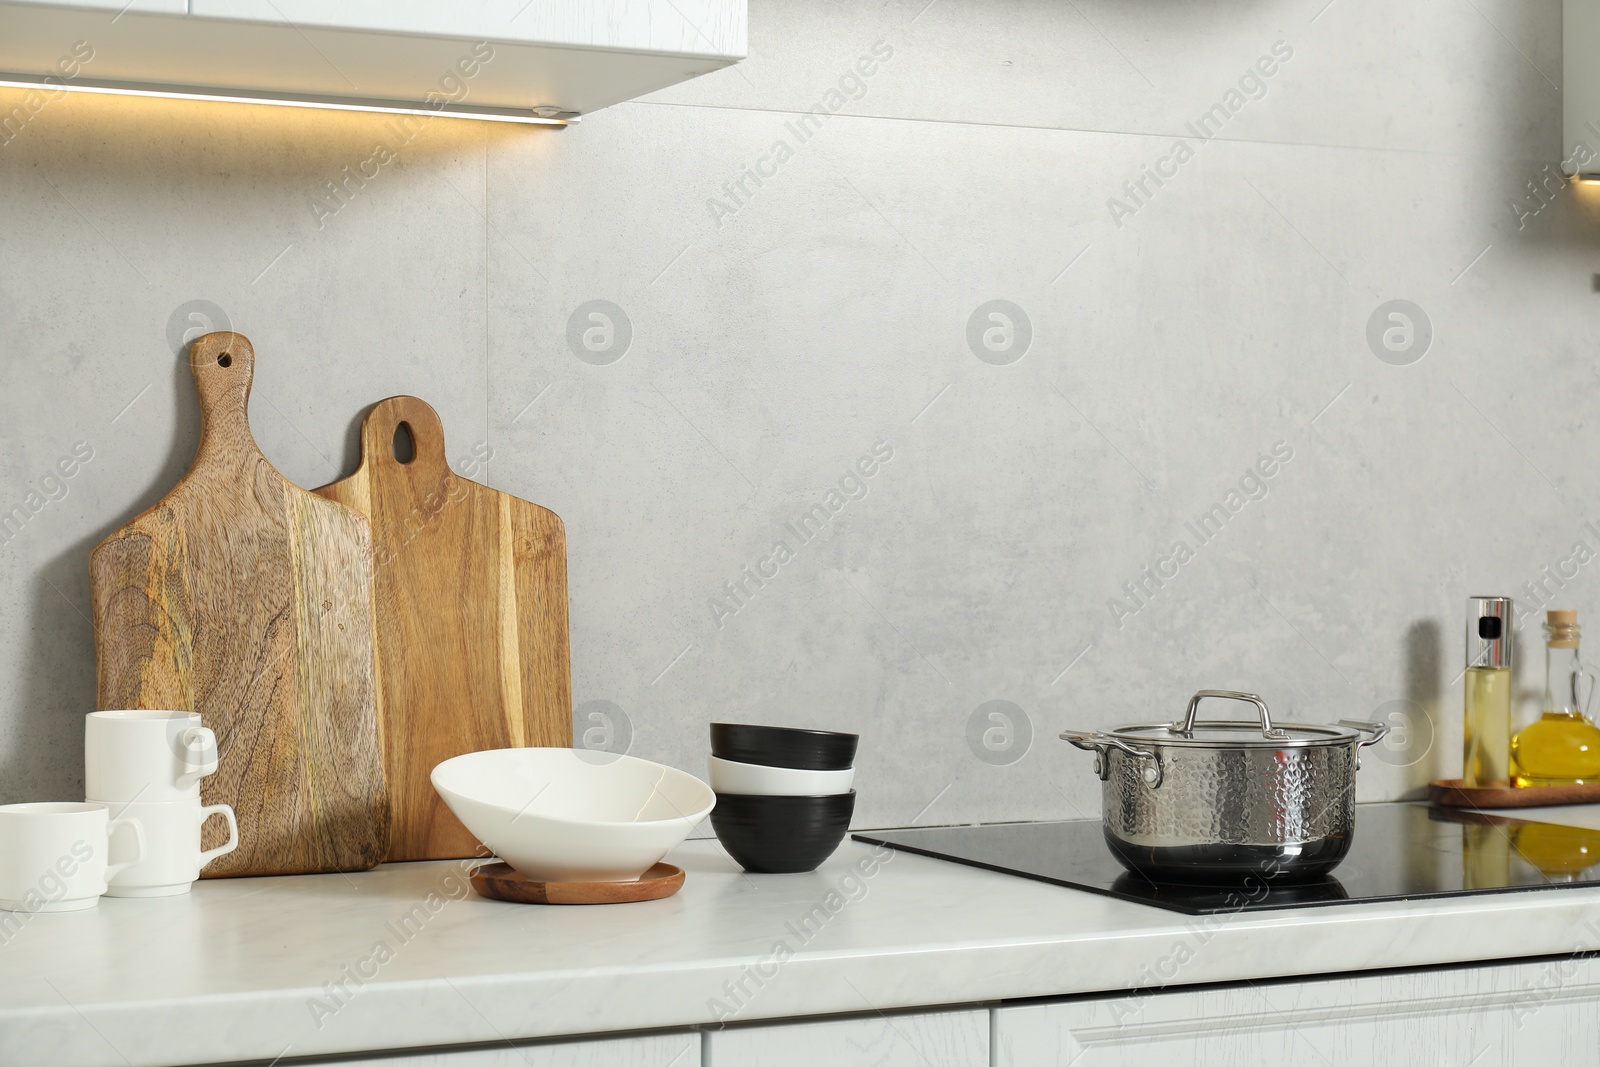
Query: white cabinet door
{"points": [[657, 1050], [695, 27], [930, 1039], [512, 55], [1534, 1014]]}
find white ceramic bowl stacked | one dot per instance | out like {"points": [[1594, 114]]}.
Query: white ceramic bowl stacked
{"points": [[754, 779]]}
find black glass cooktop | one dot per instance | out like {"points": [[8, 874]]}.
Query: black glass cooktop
{"points": [[1400, 852]]}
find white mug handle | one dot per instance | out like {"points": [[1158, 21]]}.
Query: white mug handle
{"points": [[114, 869], [233, 832], [199, 747]]}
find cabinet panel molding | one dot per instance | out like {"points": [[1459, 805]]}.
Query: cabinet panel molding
{"points": [[1533, 1013]]}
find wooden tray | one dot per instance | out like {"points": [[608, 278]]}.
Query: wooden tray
{"points": [[1450, 793], [500, 881]]}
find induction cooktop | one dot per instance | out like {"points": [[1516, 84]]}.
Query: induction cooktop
{"points": [[1399, 852]]}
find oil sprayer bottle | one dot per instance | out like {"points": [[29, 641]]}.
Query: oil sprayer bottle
{"points": [[1561, 747], [1486, 754]]}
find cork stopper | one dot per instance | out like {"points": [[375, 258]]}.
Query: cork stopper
{"points": [[1561, 628]]}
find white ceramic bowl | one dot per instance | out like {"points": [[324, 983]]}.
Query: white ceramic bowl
{"points": [[562, 815], [754, 779]]}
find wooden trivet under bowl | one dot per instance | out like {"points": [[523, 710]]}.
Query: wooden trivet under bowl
{"points": [[501, 881], [1450, 793]]}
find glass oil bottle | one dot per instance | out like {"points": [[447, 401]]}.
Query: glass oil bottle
{"points": [[1561, 747], [1486, 756]]}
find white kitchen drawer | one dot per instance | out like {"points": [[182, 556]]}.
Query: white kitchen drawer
{"points": [[929, 1039], [1532, 1014], [656, 1050]]}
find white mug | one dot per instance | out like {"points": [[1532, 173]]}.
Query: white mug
{"points": [[53, 856], [172, 858], [146, 756]]}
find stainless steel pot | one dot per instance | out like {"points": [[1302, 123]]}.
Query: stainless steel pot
{"points": [[1193, 801]]}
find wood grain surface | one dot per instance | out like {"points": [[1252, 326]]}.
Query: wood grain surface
{"points": [[249, 600], [1450, 793], [470, 593], [501, 881]]}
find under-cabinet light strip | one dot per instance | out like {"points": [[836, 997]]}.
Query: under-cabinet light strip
{"points": [[246, 96]]}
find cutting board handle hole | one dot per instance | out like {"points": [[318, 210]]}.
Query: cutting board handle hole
{"points": [[405, 443], [224, 360]]}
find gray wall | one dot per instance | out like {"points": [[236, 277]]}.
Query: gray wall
{"points": [[780, 334]]}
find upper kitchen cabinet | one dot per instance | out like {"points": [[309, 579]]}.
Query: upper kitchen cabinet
{"points": [[544, 60]]}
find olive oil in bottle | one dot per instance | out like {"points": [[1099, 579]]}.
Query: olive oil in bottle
{"points": [[1486, 756], [1488, 727], [1562, 747]]}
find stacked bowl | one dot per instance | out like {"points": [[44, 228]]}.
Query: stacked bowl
{"points": [[784, 796]]}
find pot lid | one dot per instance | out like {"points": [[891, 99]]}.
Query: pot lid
{"points": [[1260, 732], [1240, 735]]}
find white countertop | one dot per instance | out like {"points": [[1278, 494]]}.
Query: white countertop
{"points": [[236, 969]]}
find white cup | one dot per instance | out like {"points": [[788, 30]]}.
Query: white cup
{"points": [[151, 756], [172, 858], [53, 856]]}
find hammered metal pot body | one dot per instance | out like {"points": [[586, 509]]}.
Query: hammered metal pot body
{"points": [[1229, 814]]}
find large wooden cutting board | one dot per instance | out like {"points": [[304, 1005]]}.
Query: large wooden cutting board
{"points": [[470, 594], [249, 600]]}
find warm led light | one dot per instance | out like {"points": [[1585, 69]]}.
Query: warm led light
{"points": [[246, 96]]}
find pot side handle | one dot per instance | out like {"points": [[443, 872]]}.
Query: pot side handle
{"points": [[1377, 730], [1100, 743]]}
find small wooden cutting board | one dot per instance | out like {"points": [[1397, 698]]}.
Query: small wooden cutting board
{"points": [[470, 594], [249, 600]]}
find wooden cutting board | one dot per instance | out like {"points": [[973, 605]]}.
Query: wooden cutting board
{"points": [[249, 600], [470, 589]]}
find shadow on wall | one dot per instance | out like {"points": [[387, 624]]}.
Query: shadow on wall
{"points": [[59, 679], [1416, 726], [1424, 686]]}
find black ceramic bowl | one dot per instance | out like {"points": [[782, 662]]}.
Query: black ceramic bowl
{"points": [[782, 746], [781, 835]]}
